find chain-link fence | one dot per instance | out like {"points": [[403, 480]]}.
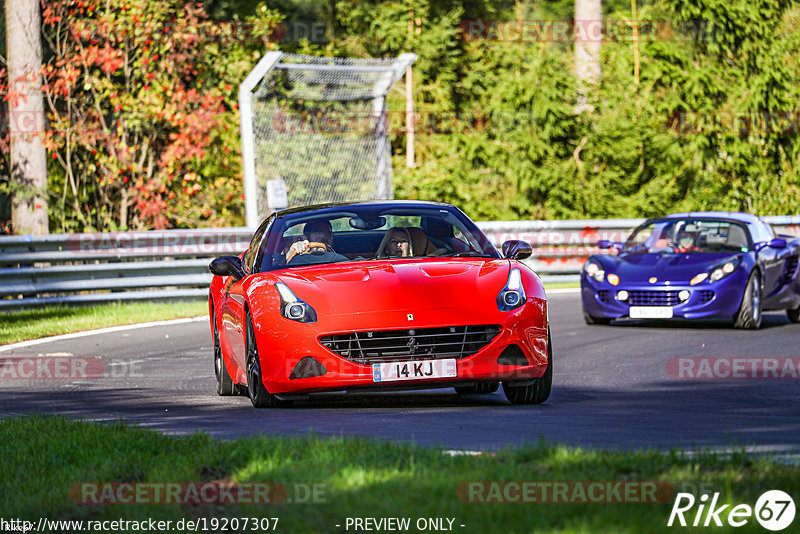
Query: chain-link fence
{"points": [[319, 125]]}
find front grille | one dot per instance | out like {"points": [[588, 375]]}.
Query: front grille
{"points": [[412, 343], [602, 295], [653, 298], [706, 296]]}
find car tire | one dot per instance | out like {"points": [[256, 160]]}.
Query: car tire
{"points": [[749, 315], [539, 390], [225, 385], [592, 320], [479, 388], [794, 315], [258, 394]]}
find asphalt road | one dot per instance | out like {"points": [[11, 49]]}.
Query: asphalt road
{"points": [[612, 389]]}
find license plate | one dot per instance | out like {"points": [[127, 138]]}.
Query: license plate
{"points": [[411, 370], [650, 312]]}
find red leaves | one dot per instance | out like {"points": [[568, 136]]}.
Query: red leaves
{"points": [[169, 118]]}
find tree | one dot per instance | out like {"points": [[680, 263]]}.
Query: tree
{"points": [[27, 158], [141, 113], [588, 38]]}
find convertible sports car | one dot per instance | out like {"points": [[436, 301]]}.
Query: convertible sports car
{"points": [[695, 265], [378, 295]]}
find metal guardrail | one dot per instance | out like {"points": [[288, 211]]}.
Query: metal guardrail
{"points": [[173, 264], [102, 267]]}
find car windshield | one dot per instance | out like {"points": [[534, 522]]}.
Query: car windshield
{"points": [[688, 236], [370, 232]]}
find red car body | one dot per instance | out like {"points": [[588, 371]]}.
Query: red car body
{"points": [[376, 298]]}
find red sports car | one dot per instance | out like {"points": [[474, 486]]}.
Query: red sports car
{"points": [[378, 296]]}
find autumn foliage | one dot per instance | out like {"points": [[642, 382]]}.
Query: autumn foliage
{"points": [[142, 127]]}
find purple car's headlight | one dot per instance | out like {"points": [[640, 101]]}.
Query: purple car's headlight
{"points": [[513, 295], [724, 270], [293, 307], [594, 270]]}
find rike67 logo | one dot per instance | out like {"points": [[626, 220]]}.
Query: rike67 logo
{"points": [[774, 510]]}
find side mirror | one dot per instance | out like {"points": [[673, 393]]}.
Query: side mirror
{"points": [[778, 242], [517, 250], [604, 243], [227, 266]]}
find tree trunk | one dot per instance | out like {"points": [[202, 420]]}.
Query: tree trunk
{"points": [[26, 117], [588, 38]]}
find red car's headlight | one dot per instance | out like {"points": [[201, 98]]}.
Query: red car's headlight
{"points": [[293, 307], [513, 295]]}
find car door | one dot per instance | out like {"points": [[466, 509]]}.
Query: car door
{"points": [[771, 260], [233, 307]]}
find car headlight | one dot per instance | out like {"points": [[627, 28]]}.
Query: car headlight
{"points": [[513, 295], [293, 307], [594, 270], [724, 270]]}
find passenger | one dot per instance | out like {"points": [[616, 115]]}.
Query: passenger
{"points": [[686, 241], [397, 243]]}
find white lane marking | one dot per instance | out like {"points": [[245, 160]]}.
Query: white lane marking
{"points": [[562, 290], [109, 330]]}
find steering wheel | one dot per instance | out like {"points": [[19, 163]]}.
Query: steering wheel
{"points": [[313, 247]]}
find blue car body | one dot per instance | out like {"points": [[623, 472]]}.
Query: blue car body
{"points": [[657, 279]]}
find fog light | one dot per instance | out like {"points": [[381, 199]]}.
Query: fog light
{"points": [[622, 295], [613, 279], [683, 296]]}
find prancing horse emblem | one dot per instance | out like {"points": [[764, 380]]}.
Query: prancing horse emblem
{"points": [[410, 316]]}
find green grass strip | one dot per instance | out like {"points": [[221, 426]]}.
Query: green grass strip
{"points": [[44, 457], [21, 325]]}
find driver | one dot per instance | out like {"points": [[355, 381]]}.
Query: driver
{"points": [[317, 242]]}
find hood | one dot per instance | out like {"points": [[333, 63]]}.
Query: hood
{"points": [[679, 268], [398, 285]]}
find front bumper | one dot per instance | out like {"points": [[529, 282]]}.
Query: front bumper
{"points": [[720, 299], [525, 327]]}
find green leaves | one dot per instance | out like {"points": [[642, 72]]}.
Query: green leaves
{"points": [[713, 122]]}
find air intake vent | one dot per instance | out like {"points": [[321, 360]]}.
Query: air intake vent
{"points": [[653, 298], [512, 355], [413, 343], [308, 367], [789, 268]]}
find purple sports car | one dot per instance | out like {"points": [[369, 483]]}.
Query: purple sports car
{"points": [[695, 265]]}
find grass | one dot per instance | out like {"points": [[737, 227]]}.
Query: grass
{"points": [[562, 285], [43, 457], [49, 321]]}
